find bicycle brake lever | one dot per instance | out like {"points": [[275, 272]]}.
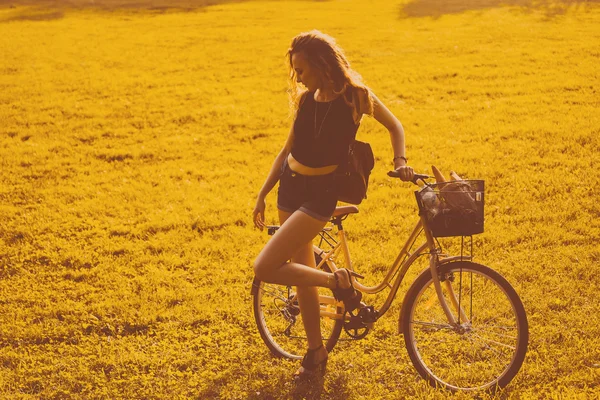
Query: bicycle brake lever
{"points": [[422, 177]]}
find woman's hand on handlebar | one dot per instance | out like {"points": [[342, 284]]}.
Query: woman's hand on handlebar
{"points": [[414, 179], [404, 172]]}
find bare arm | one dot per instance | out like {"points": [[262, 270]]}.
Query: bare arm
{"points": [[271, 181], [393, 125]]}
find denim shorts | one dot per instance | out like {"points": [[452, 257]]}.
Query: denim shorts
{"points": [[313, 195]]}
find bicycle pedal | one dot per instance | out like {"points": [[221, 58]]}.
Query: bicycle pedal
{"points": [[368, 314]]}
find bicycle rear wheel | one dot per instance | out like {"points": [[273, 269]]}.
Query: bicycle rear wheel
{"points": [[279, 322], [483, 353]]}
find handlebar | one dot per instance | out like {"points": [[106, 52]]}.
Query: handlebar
{"points": [[415, 179]]}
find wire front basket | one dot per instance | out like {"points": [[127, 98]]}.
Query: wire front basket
{"points": [[452, 208]]}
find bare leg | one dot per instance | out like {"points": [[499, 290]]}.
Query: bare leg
{"points": [[308, 298], [295, 234], [271, 264]]}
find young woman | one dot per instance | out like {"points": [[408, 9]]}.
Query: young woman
{"points": [[327, 116]]}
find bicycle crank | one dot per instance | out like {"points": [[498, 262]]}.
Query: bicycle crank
{"points": [[359, 323]]}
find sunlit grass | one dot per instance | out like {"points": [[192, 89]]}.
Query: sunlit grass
{"points": [[134, 141]]}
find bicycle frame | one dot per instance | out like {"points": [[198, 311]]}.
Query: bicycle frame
{"points": [[400, 266], [464, 325]]}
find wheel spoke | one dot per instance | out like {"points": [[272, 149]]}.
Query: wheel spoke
{"points": [[488, 341], [489, 332], [433, 325], [276, 293], [503, 327]]}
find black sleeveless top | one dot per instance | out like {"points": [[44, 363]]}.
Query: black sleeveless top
{"points": [[323, 132]]}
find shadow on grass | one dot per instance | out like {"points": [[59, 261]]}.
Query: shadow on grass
{"points": [[309, 389], [438, 8], [330, 386], [45, 10]]}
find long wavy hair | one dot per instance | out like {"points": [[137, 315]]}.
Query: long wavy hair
{"points": [[324, 54]]}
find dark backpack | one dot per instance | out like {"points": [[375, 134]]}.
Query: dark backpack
{"points": [[352, 177]]}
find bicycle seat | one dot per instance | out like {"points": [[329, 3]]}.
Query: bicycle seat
{"points": [[344, 210]]}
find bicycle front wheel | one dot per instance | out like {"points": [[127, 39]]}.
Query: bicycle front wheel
{"points": [[485, 349], [279, 321]]}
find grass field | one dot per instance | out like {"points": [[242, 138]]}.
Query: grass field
{"points": [[134, 139]]}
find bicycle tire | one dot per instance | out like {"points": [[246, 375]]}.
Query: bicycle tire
{"points": [[273, 314], [489, 352]]}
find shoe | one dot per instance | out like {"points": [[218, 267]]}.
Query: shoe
{"points": [[310, 367], [350, 296]]}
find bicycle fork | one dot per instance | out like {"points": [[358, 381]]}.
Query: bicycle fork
{"points": [[434, 262]]}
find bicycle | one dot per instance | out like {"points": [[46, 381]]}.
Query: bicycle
{"points": [[464, 326]]}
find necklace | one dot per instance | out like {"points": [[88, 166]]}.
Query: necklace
{"points": [[317, 134]]}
